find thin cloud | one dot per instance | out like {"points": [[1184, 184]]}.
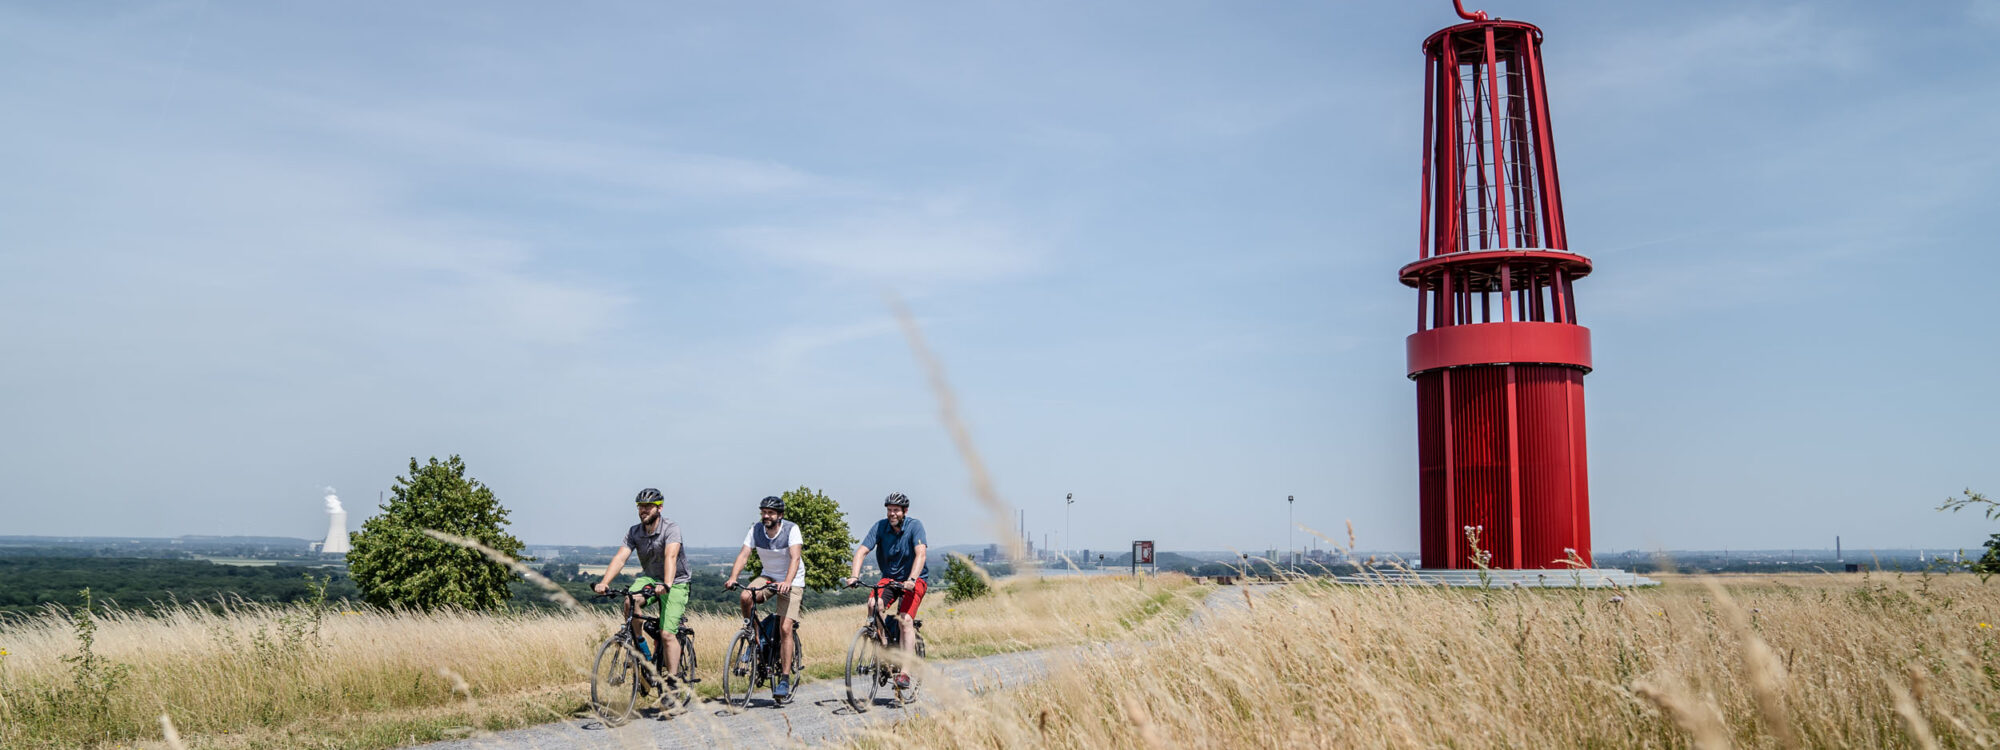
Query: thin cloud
{"points": [[1664, 66], [911, 246]]}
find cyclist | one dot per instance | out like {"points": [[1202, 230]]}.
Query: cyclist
{"points": [[657, 541], [781, 548], [900, 548]]}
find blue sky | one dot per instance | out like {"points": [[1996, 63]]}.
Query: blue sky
{"points": [[249, 250]]}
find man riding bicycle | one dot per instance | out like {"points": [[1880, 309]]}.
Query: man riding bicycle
{"points": [[657, 541], [781, 549], [900, 548]]}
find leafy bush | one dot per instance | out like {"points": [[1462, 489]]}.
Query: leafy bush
{"points": [[397, 565], [963, 580]]}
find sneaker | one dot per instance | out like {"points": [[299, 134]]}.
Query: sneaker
{"points": [[783, 689], [903, 681]]}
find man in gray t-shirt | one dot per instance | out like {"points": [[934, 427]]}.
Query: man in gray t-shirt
{"points": [[651, 549], [663, 572]]}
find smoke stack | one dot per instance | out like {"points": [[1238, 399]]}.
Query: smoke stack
{"points": [[336, 527]]}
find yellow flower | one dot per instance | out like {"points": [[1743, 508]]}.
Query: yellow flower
{"points": [[3, 652], [1982, 626]]}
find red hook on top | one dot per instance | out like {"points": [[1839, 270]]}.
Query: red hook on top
{"points": [[1477, 15]]}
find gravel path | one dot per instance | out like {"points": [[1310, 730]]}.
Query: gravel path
{"points": [[818, 712]]}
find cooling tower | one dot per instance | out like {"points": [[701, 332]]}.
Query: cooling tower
{"points": [[336, 533]]}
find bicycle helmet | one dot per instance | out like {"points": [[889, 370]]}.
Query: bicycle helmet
{"points": [[650, 496], [774, 502], [897, 498]]}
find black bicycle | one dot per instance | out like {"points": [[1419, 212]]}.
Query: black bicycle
{"points": [[628, 668], [753, 659], [872, 661]]}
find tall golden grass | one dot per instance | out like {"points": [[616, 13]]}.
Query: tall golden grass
{"points": [[257, 676], [1766, 661]]}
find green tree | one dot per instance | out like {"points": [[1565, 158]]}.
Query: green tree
{"points": [[396, 564], [829, 544], [1989, 563], [964, 582]]}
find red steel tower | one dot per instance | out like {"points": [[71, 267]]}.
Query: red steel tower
{"points": [[1498, 355]]}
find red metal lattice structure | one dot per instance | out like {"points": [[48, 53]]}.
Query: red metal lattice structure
{"points": [[1498, 356]]}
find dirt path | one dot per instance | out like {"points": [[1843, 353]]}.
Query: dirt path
{"points": [[817, 715]]}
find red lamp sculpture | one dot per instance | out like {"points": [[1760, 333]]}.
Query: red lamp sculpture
{"points": [[1498, 356]]}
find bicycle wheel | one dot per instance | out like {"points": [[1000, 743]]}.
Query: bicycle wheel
{"points": [[739, 673], [861, 664], [614, 682], [687, 658], [798, 656], [685, 675]]}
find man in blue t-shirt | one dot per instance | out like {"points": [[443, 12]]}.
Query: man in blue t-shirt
{"points": [[900, 548]]}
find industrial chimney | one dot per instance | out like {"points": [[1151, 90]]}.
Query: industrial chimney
{"points": [[1498, 356], [336, 526]]}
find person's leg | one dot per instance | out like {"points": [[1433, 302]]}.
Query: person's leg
{"points": [[788, 605], [634, 603], [788, 618], [673, 604], [906, 616]]}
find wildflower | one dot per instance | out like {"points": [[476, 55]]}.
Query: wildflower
{"points": [[1982, 626], [1617, 599], [3, 652]]}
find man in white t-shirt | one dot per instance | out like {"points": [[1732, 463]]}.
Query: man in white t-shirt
{"points": [[781, 548]]}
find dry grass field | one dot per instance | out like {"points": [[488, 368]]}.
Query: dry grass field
{"points": [[1736, 661], [267, 677], [1785, 661]]}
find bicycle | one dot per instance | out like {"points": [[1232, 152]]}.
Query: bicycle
{"points": [[623, 669], [870, 656], [744, 673]]}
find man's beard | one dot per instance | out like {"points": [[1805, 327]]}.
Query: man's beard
{"points": [[772, 525]]}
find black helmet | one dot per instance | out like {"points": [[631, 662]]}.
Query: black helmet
{"points": [[650, 496], [774, 502], [896, 498]]}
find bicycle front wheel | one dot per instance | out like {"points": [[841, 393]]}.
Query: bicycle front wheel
{"points": [[739, 673], [614, 682], [860, 666]]}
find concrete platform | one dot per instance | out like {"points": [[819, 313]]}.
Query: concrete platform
{"points": [[1587, 578]]}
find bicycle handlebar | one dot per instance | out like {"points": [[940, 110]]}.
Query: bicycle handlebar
{"points": [[898, 585], [612, 595]]}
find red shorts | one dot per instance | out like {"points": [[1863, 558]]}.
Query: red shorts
{"points": [[912, 595]]}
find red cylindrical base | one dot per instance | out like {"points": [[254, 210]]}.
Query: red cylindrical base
{"points": [[1502, 450]]}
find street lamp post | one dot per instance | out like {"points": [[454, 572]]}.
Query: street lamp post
{"points": [[1068, 500], [1290, 562]]}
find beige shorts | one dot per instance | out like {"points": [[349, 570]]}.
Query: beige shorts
{"points": [[788, 604]]}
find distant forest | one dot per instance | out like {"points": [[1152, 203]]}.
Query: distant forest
{"points": [[28, 584]]}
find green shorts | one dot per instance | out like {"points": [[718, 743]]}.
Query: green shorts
{"points": [[673, 604]]}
